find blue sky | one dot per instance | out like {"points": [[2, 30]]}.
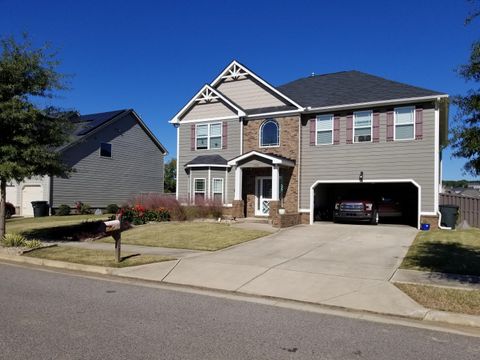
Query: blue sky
{"points": [[153, 56]]}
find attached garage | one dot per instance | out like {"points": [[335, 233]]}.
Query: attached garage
{"points": [[30, 193], [12, 194], [397, 201]]}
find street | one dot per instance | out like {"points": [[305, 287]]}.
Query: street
{"points": [[52, 315]]}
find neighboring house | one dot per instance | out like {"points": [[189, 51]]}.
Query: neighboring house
{"points": [[299, 146], [114, 156], [474, 185], [468, 191]]}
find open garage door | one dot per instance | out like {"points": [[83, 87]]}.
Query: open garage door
{"points": [[397, 202]]}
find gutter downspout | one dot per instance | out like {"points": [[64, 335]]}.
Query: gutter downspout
{"points": [[440, 221]]}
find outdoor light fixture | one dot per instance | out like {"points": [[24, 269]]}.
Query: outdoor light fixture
{"points": [[360, 177]]}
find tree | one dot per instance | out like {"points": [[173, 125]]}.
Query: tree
{"points": [[29, 134], [465, 139], [171, 176]]}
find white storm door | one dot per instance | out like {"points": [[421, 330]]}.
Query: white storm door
{"points": [[263, 195]]}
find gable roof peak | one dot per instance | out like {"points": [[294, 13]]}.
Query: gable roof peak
{"points": [[207, 93], [236, 70]]}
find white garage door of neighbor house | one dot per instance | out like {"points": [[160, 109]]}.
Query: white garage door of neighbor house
{"points": [[30, 193], [12, 194]]}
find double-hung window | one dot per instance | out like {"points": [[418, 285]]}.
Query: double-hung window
{"points": [[217, 190], [324, 129], [199, 189], [405, 123], [209, 136], [362, 127]]}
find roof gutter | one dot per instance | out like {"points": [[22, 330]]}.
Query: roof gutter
{"points": [[310, 109]]}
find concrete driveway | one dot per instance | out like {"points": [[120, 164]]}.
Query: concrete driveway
{"points": [[333, 264]]}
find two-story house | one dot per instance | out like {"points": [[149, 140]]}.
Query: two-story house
{"points": [[288, 152], [114, 156]]}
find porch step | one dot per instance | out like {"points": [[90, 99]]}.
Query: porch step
{"points": [[257, 220]]}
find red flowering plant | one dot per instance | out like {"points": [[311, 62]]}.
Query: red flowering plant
{"points": [[139, 214]]}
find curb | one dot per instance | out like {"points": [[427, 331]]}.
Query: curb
{"points": [[431, 315], [58, 264], [452, 318]]}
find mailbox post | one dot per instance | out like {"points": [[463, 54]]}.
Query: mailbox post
{"points": [[114, 228]]}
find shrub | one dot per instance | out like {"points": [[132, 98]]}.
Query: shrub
{"points": [[138, 215], [32, 244], [63, 210], [13, 240], [83, 209], [160, 207], [112, 209]]}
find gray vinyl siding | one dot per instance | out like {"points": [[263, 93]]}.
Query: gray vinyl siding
{"points": [[136, 166], [209, 111], [401, 159], [186, 154], [203, 173], [248, 94]]}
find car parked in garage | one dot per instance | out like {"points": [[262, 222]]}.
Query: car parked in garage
{"points": [[9, 210], [356, 210]]}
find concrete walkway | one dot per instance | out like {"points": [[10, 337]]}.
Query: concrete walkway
{"points": [[332, 264], [150, 250]]}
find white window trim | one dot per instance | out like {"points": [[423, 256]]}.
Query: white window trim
{"points": [[316, 129], [260, 132], [195, 192], [363, 127], [213, 189], [395, 123], [208, 136]]}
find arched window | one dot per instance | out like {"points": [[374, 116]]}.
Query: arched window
{"points": [[269, 133]]}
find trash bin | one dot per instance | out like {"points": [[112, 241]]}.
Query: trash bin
{"points": [[449, 215], [40, 208]]}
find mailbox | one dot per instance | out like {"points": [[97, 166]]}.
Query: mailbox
{"points": [[112, 225], [114, 228]]}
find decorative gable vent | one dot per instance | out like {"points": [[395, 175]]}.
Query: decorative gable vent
{"points": [[206, 96], [235, 72]]}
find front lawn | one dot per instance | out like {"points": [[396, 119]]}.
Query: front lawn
{"points": [[454, 300], [446, 251], [188, 235], [94, 257], [29, 226]]}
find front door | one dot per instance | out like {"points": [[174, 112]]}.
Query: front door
{"points": [[263, 195]]}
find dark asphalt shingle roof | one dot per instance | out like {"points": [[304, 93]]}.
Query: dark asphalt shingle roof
{"points": [[83, 124], [270, 109], [348, 87], [207, 159]]}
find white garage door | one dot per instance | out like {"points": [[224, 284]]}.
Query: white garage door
{"points": [[12, 194], [30, 193]]}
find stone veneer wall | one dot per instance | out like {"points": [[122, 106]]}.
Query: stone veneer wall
{"points": [[430, 219], [288, 148]]}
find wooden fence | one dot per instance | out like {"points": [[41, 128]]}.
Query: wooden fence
{"points": [[469, 207]]}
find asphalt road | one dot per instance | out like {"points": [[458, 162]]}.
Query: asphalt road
{"points": [[48, 315]]}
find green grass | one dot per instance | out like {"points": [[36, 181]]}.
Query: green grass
{"points": [[94, 257], [454, 300], [447, 251], [189, 235]]}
